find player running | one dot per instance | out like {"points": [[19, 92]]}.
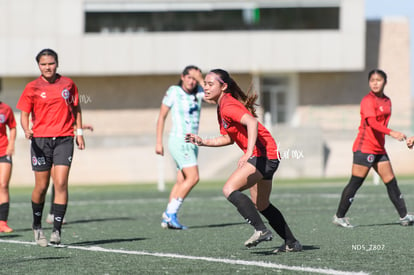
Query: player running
{"points": [[369, 151], [52, 102], [255, 169], [184, 101], [6, 151]]}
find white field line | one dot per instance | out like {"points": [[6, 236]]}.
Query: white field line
{"points": [[206, 259]]}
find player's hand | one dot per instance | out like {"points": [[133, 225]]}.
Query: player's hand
{"points": [[243, 160], [87, 127], [80, 142], [10, 150], [197, 75], [194, 139], [398, 135], [159, 149], [28, 133], [410, 142]]}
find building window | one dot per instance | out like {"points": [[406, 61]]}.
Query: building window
{"points": [[232, 19], [274, 99]]}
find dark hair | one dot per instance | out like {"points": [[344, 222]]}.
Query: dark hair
{"points": [[247, 99], [186, 71], [378, 71], [47, 52]]}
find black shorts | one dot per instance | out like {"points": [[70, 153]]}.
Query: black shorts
{"points": [[267, 167], [49, 151], [6, 158], [368, 160]]}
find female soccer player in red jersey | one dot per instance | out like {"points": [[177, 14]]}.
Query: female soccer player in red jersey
{"points": [[369, 151], [53, 103], [255, 169], [6, 152]]}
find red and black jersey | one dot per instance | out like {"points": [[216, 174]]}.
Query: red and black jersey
{"points": [[371, 139], [51, 106], [6, 120], [230, 112]]}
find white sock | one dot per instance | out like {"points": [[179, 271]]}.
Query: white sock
{"points": [[174, 205]]}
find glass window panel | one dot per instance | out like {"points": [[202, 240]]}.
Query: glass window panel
{"points": [[214, 20]]}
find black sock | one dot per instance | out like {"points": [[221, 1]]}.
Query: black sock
{"points": [[277, 221], [247, 209], [348, 195], [52, 199], [37, 209], [59, 213], [4, 211], [396, 197]]}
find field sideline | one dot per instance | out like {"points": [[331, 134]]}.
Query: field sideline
{"points": [[115, 229]]}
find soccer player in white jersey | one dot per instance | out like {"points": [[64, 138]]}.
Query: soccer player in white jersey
{"points": [[184, 102]]}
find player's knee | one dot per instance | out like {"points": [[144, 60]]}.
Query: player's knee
{"points": [[4, 186], [227, 190], [192, 179]]}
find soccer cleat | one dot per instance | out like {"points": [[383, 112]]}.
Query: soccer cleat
{"points": [[40, 237], [295, 247], [4, 227], [344, 222], [258, 237], [407, 220], [55, 237], [50, 218], [171, 221]]}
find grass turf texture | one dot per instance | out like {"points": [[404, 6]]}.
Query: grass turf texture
{"points": [[105, 221]]}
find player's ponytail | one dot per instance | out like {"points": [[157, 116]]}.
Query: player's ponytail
{"points": [[248, 100]]}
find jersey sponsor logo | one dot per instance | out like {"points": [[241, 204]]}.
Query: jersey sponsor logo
{"points": [[65, 94], [43, 94], [370, 158], [2, 118]]}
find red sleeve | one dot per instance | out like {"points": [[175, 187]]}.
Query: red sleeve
{"points": [[75, 94], [372, 122], [368, 107], [11, 122], [25, 102]]}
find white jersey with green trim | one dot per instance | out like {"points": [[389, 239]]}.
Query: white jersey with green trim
{"points": [[185, 110]]}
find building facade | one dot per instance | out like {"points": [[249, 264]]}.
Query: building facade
{"points": [[307, 59]]}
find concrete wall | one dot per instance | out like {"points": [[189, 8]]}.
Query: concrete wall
{"points": [[24, 32]]}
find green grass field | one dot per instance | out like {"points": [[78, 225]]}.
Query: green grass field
{"points": [[116, 230]]}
